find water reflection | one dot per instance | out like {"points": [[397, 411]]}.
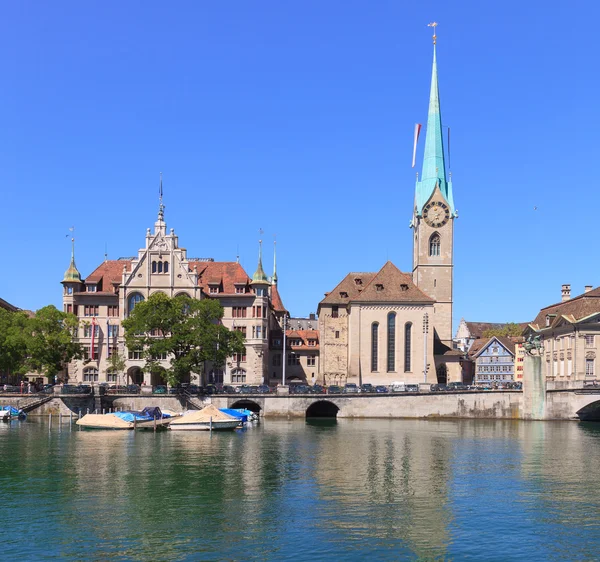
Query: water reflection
{"points": [[344, 490]]}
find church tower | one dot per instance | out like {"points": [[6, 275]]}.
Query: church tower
{"points": [[433, 220]]}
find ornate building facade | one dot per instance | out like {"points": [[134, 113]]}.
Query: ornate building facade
{"points": [[102, 300]]}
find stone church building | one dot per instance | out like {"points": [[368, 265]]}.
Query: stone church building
{"points": [[387, 326]]}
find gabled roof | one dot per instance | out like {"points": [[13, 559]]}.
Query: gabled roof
{"points": [[480, 345], [7, 306], [227, 274], [389, 284], [476, 329], [276, 300], [579, 307], [108, 274]]}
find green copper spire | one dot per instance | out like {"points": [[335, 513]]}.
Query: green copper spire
{"points": [[72, 275], [434, 165], [274, 278], [259, 275]]}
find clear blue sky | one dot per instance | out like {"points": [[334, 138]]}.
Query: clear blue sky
{"points": [[297, 117]]}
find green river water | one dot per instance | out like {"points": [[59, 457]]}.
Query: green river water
{"points": [[296, 490]]}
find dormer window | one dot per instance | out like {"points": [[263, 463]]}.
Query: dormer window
{"points": [[312, 343], [403, 287], [358, 281], [240, 290], [213, 289], [295, 342], [91, 288], [379, 286], [547, 320], [343, 294]]}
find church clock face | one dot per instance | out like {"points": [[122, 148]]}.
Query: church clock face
{"points": [[436, 214]]}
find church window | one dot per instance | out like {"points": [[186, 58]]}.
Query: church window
{"points": [[153, 267], [391, 342], [133, 300], [434, 245], [407, 346], [374, 345], [166, 267], [159, 267]]}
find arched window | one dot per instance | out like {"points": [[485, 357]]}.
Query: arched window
{"points": [[160, 267], [434, 244], [374, 345], [166, 267], [153, 267], [407, 345], [238, 375], [133, 300], [391, 342]]}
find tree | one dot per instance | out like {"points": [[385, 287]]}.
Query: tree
{"points": [[116, 364], [187, 330], [510, 329], [13, 343], [49, 337]]}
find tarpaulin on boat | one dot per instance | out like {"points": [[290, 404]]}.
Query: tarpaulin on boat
{"points": [[235, 413], [132, 416], [13, 411]]}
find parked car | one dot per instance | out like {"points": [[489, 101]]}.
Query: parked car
{"points": [[300, 389], [318, 389], [367, 387], [438, 388], [230, 389], [380, 389], [245, 389], [210, 389], [351, 388], [456, 386], [334, 389], [133, 389], [412, 388], [160, 389], [398, 387]]}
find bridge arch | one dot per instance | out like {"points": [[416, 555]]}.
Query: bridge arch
{"points": [[591, 412], [322, 409], [247, 405]]}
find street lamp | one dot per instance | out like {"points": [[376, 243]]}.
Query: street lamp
{"points": [[283, 358], [425, 333]]}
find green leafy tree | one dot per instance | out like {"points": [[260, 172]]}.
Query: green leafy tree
{"points": [[188, 330], [511, 329], [13, 341], [50, 341], [116, 364]]}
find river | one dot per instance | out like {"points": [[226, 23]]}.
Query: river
{"points": [[292, 490]]}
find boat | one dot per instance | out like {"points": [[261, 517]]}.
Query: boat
{"points": [[8, 413], [208, 419], [242, 413], [148, 418]]}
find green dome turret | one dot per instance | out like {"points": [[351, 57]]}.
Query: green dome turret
{"points": [[259, 275], [72, 274]]}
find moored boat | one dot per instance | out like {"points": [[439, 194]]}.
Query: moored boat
{"points": [[8, 413], [207, 419], [148, 418]]}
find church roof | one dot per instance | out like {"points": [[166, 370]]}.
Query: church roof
{"points": [[227, 274], [389, 284]]}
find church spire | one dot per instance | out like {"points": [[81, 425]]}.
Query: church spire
{"points": [[434, 165], [274, 278], [259, 275], [161, 207], [72, 274]]}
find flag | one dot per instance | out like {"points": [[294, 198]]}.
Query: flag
{"points": [[107, 338], [93, 336], [417, 133]]}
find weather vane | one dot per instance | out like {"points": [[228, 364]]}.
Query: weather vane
{"points": [[260, 232], [433, 24]]}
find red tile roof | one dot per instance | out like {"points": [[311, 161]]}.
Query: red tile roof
{"points": [[276, 300], [578, 307], [108, 273], [303, 335], [227, 274]]}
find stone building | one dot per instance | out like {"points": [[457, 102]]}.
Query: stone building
{"points": [[387, 326], [105, 297], [570, 333]]}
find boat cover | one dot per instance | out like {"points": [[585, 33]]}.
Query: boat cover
{"points": [[235, 413], [154, 412], [13, 411], [132, 416]]}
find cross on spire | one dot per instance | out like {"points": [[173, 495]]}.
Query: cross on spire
{"points": [[433, 24]]}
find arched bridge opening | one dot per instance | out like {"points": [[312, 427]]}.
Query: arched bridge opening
{"points": [[591, 412], [322, 409], [247, 405]]}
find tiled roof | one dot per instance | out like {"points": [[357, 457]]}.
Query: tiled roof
{"points": [[227, 274], [276, 300], [7, 306], [389, 284], [303, 335], [108, 273], [577, 307]]}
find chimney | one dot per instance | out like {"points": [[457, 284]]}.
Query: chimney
{"points": [[588, 288], [312, 316], [566, 292]]}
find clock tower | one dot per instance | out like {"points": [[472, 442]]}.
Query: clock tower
{"points": [[433, 220]]}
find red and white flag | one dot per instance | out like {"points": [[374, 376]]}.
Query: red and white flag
{"points": [[417, 133], [93, 336]]}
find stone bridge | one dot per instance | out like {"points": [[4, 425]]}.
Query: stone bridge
{"points": [[563, 404]]}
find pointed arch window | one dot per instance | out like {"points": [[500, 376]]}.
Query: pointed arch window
{"points": [[153, 267], [133, 300], [407, 346], [391, 342], [160, 267], [434, 244], [166, 267], [374, 345]]}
